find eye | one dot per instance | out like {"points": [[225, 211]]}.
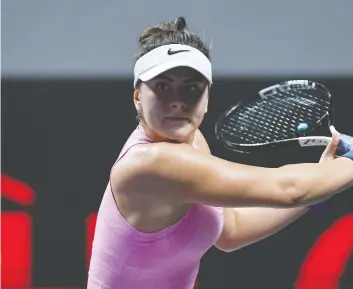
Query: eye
{"points": [[163, 86], [193, 88]]}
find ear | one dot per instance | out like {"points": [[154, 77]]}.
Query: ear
{"points": [[137, 100]]}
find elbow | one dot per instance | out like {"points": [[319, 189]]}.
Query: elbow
{"points": [[294, 196], [226, 249], [291, 190], [228, 246]]}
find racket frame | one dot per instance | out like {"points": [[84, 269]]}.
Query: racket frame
{"points": [[303, 141]]}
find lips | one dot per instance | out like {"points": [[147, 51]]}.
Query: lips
{"points": [[177, 118]]}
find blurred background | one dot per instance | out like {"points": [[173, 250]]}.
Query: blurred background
{"points": [[66, 111]]}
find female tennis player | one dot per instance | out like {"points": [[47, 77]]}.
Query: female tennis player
{"points": [[168, 199]]}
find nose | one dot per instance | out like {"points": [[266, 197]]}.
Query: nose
{"points": [[177, 102], [178, 105]]}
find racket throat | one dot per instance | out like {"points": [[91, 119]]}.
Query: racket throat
{"points": [[314, 141]]}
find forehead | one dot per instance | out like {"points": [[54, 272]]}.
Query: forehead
{"points": [[182, 73]]}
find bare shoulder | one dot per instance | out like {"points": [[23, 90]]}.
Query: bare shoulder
{"points": [[134, 161], [144, 161], [152, 158], [158, 168]]}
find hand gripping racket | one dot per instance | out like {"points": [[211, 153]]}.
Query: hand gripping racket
{"points": [[282, 115]]}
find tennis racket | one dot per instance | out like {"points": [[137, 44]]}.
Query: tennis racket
{"points": [[282, 115]]}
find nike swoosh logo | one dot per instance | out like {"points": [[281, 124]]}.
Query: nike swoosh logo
{"points": [[170, 52]]}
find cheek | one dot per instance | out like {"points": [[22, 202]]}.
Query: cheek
{"points": [[153, 111], [154, 106], [202, 106], [148, 101]]}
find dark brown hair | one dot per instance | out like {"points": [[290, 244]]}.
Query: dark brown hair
{"points": [[169, 32]]}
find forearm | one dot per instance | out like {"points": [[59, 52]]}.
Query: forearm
{"points": [[310, 183], [254, 224]]}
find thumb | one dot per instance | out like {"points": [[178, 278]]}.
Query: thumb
{"points": [[331, 148]]}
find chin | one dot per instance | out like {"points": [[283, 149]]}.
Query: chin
{"points": [[181, 134]]}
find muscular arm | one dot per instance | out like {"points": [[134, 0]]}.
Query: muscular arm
{"points": [[245, 226], [183, 174]]}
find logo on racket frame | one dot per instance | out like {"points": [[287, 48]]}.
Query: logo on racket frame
{"points": [[286, 86]]}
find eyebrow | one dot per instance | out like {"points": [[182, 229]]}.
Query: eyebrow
{"points": [[164, 77], [196, 78], [191, 79]]}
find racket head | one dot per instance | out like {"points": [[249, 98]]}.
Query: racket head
{"points": [[271, 118]]}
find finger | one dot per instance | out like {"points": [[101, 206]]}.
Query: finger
{"points": [[333, 130], [331, 148], [345, 141]]}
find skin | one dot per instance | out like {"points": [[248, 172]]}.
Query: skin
{"points": [[178, 93], [257, 201]]}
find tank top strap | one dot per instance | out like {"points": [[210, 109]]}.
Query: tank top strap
{"points": [[138, 136]]}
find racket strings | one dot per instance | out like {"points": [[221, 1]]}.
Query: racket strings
{"points": [[276, 118], [292, 115], [256, 122], [295, 115], [243, 126]]}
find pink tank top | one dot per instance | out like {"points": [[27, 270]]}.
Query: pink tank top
{"points": [[124, 258]]}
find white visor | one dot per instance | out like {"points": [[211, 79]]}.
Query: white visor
{"points": [[170, 56]]}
